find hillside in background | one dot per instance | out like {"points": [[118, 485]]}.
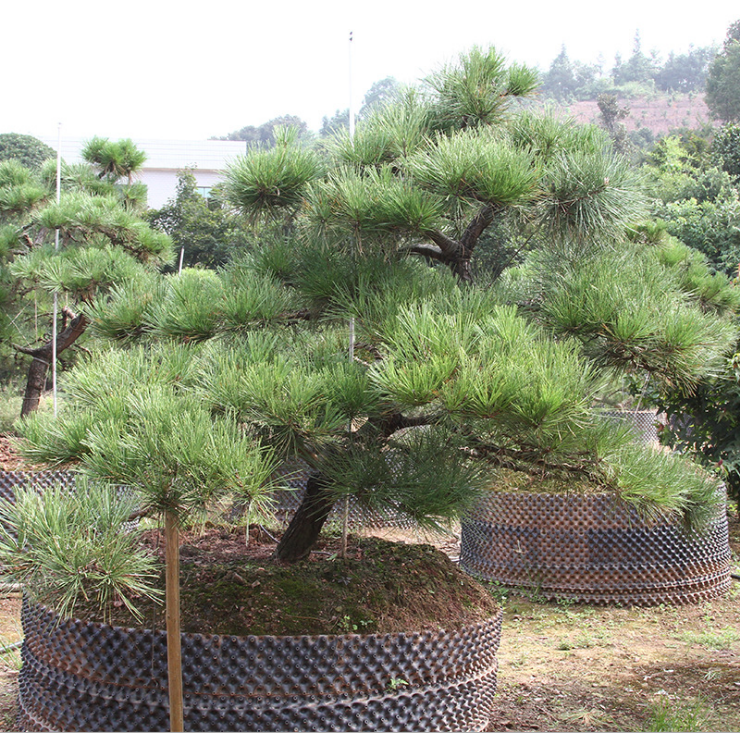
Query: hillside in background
{"points": [[658, 113]]}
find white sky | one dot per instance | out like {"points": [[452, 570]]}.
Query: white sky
{"points": [[177, 70]]}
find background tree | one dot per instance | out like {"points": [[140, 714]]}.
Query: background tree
{"points": [[206, 231], [639, 68], [20, 192], [696, 198], [381, 93], [114, 160], [263, 136], [612, 115], [706, 423], [331, 125], [726, 149], [560, 79], [685, 72], [640, 76], [723, 79], [27, 150]]}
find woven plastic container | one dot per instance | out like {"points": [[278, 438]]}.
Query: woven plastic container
{"points": [[79, 676], [643, 424], [594, 549]]}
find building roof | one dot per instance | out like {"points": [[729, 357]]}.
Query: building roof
{"points": [[213, 155]]}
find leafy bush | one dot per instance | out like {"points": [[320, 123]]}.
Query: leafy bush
{"points": [[712, 227], [726, 149], [706, 423]]}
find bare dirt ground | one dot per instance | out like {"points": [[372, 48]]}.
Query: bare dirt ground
{"points": [[10, 634], [583, 668], [567, 667], [9, 458]]}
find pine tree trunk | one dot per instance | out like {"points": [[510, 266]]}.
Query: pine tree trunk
{"points": [[42, 356], [35, 381], [305, 527], [461, 267]]}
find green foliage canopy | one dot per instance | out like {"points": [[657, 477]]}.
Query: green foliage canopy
{"points": [[207, 232], [430, 173], [27, 150], [723, 80]]}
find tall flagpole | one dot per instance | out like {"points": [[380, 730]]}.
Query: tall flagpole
{"points": [[56, 296]]}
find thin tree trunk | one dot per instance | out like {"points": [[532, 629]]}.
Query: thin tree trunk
{"points": [[35, 383], [172, 611], [461, 267], [460, 262], [42, 356], [305, 527]]}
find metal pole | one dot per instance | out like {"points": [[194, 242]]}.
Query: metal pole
{"points": [[351, 105], [345, 508], [56, 297], [351, 137]]}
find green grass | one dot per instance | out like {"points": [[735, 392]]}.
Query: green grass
{"points": [[670, 715], [711, 638]]}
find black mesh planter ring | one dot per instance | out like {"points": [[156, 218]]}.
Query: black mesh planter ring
{"points": [[91, 676], [594, 549], [39, 480], [286, 501]]}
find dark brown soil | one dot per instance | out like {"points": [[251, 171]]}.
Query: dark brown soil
{"points": [[10, 460], [229, 587]]}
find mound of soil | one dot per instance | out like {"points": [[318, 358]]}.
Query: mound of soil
{"points": [[229, 587]]}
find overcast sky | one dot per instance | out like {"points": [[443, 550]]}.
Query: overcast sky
{"points": [[165, 69]]}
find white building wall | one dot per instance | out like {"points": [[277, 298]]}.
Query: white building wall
{"points": [[162, 184], [208, 159]]}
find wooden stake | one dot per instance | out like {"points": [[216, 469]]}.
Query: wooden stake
{"points": [[172, 601]]}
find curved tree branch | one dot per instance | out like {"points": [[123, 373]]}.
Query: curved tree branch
{"points": [[448, 246], [476, 227], [430, 251]]}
